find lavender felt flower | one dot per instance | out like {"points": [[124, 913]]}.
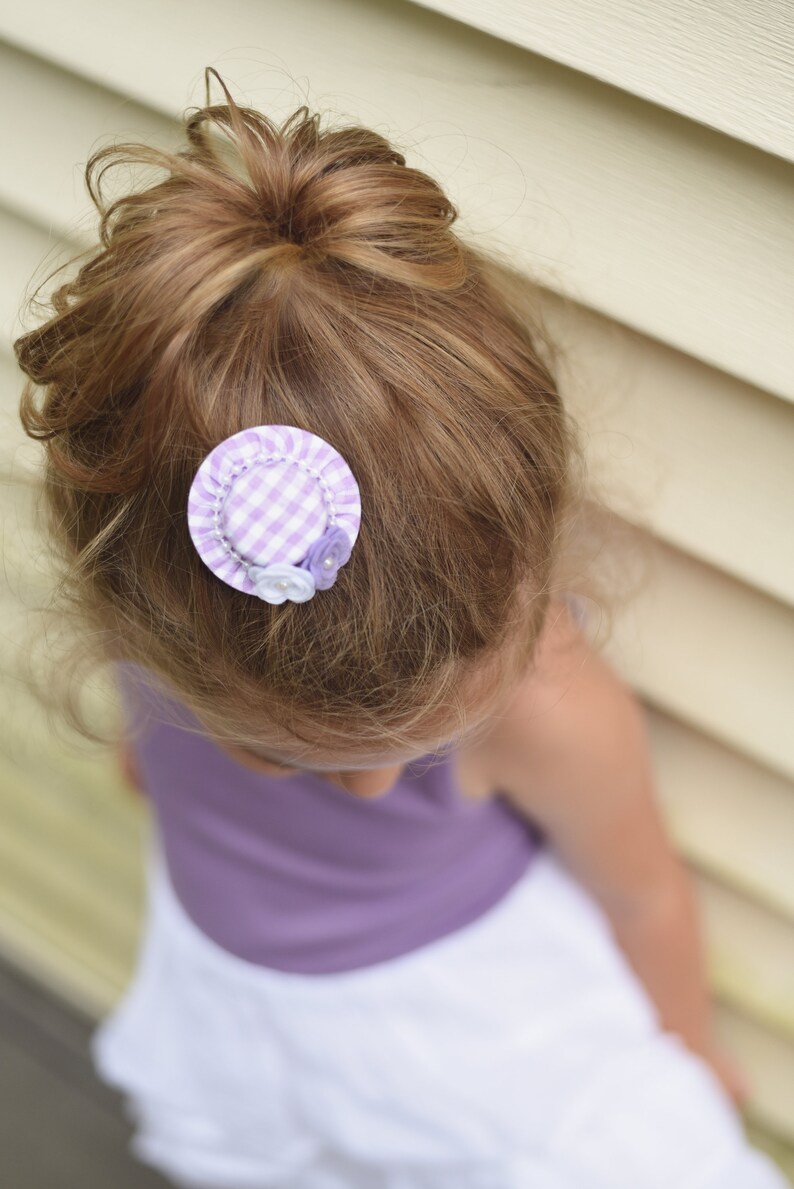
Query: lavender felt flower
{"points": [[278, 582], [326, 556]]}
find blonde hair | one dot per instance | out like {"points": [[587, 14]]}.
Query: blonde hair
{"points": [[308, 277]]}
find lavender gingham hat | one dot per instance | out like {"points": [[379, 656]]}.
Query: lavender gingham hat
{"points": [[274, 511]]}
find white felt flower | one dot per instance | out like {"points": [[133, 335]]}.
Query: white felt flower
{"points": [[278, 582]]}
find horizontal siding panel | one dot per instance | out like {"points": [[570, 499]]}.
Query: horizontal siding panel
{"points": [[72, 877], [634, 211], [27, 252], [768, 1060], [729, 65], [774, 1146], [699, 458], [46, 802], [71, 893], [751, 956], [43, 164], [730, 817], [705, 648], [35, 944]]}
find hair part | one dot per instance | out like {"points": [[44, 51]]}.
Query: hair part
{"points": [[300, 276]]}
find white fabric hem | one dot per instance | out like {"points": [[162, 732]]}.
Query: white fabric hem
{"points": [[519, 1052]]}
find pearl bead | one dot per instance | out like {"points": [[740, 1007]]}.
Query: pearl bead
{"points": [[282, 585], [328, 563]]}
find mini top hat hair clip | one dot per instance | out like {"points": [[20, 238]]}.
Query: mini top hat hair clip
{"points": [[274, 511]]}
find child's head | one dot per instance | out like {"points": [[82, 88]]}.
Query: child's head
{"points": [[289, 275]]}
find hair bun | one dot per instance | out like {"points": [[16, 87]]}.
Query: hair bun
{"points": [[344, 195]]}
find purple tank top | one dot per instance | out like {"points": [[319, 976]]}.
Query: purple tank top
{"points": [[296, 874]]}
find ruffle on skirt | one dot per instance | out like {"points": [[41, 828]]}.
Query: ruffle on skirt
{"points": [[519, 1052]]}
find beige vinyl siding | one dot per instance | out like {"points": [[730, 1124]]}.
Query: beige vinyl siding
{"points": [[665, 250], [712, 651], [725, 64], [665, 225], [696, 456], [733, 818], [752, 954]]}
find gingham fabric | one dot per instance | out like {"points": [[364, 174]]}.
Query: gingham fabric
{"points": [[266, 495]]}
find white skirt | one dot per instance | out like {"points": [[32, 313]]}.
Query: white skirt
{"points": [[519, 1052]]}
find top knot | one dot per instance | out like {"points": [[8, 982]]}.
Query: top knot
{"points": [[289, 226], [343, 194]]}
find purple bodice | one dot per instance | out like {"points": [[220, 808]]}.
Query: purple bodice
{"points": [[296, 874]]}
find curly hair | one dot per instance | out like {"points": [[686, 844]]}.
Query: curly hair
{"points": [[309, 277]]}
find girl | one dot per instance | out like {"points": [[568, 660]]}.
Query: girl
{"points": [[413, 919]]}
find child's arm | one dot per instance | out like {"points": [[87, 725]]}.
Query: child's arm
{"points": [[572, 754]]}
